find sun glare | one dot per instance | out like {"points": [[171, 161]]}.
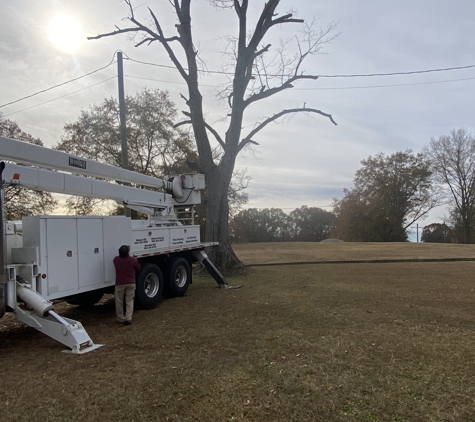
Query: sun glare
{"points": [[66, 33]]}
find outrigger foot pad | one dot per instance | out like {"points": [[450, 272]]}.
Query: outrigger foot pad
{"points": [[204, 260], [228, 287]]}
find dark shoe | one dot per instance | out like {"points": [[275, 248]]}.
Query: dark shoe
{"points": [[127, 322]]}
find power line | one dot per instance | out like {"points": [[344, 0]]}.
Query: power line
{"points": [[162, 81], [356, 75], [61, 84], [57, 98], [150, 64], [288, 208], [212, 86], [413, 72], [382, 86], [321, 89], [229, 73]]}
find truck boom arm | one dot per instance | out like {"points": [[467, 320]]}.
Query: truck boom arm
{"points": [[184, 188], [25, 153], [57, 182]]}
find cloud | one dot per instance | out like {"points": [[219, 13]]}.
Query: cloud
{"points": [[305, 159]]}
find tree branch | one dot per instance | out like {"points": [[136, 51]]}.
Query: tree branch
{"points": [[165, 42], [116, 32], [263, 24], [211, 129], [286, 19], [182, 123], [266, 22], [153, 36], [262, 51], [272, 91], [248, 138], [237, 8]]}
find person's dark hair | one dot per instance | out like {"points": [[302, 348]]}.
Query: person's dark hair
{"points": [[124, 251]]}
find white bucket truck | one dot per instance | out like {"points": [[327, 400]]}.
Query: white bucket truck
{"points": [[46, 258]]}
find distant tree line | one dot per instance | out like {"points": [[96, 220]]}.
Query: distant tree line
{"points": [[390, 193], [304, 224]]}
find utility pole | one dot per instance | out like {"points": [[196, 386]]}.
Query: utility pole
{"points": [[123, 125], [417, 231], [3, 244]]}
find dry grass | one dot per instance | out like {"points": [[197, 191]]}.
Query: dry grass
{"points": [[256, 253], [336, 342]]}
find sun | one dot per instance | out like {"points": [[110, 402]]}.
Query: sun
{"points": [[66, 33]]}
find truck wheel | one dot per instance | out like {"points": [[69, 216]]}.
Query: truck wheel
{"points": [[86, 298], [148, 290], [178, 277]]}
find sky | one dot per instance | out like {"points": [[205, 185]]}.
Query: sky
{"points": [[302, 160]]}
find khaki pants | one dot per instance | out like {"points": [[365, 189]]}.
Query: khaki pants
{"points": [[127, 291]]}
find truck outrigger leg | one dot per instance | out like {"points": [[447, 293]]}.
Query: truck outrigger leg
{"points": [[42, 317], [204, 260]]}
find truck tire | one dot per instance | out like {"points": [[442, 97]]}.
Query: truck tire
{"points": [[149, 288], [177, 278], [86, 298]]}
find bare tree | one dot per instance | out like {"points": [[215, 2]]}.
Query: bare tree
{"points": [[453, 162], [252, 81]]}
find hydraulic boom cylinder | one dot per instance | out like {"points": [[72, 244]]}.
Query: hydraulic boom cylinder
{"points": [[35, 301]]}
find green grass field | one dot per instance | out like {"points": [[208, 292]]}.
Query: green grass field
{"points": [[333, 342]]}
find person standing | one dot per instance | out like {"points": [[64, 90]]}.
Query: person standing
{"points": [[125, 267]]}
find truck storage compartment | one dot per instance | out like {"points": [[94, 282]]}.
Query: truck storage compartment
{"points": [[75, 253]]}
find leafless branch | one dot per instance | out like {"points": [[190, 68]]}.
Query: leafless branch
{"points": [[209, 127], [266, 21], [286, 19], [248, 138], [272, 91], [116, 32], [182, 123], [185, 99], [262, 50], [224, 4], [151, 36]]}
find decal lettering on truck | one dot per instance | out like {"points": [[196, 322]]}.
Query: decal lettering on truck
{"points": [[76, 162], [177, 241]]}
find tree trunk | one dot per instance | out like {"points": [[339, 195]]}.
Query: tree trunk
{"points": [[467, 230], [217, 218]]}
